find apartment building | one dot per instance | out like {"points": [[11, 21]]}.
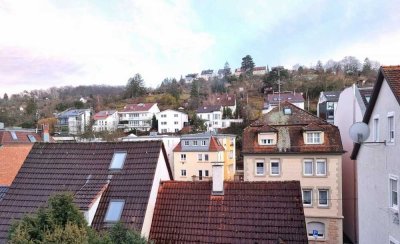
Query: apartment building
{"points": [[105, 121], [171, 121], [137, 116]]}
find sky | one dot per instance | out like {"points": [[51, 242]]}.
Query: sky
{"points": [[47, 43]]}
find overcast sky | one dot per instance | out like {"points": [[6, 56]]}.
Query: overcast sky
{"points": [[46, 43]]}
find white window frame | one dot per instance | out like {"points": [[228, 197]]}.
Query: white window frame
{"points": [[391, 205], [267, 142], [113, 163], [186, 143], [316, 167], [270, 167], [255, 169], [312, 166], [183, 156], [183, 172], [106, 217], [176, 122], [204, 143], [302, 195], [206, 173], [391, 131], [376, 128], [194, 143], [200, 157], [175, 115], [327, 198], [310, 234], [312, 139]]}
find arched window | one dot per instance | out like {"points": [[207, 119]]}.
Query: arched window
{"points": [[318, 227]]}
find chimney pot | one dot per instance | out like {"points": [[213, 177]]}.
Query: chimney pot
{"points": [[45, 133], [218, 179]]}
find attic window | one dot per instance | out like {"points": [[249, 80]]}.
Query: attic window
{"points": [[287, 111], [31, 138], [14, 135], [114, 211], [118, 160]]}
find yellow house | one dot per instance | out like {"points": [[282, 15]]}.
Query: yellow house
{"points": [[196, 153], [293, 144]]}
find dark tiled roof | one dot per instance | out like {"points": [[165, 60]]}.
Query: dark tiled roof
{"points": [[290, 130], [3, 191], [83, 169], [332, 96], [207, 72], [392, 75], [138, 107], [214, 146], [289, 97], [209, 109], [248, 212]]}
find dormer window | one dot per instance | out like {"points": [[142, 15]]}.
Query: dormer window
{"points": [[267, 142], [114, 211], [14, 135], [314, 137], [118, 160], [287, 111], [265, 139]]}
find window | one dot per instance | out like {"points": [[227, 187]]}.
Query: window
{"points": [[307, 197], [205, 157], [260, 168], [200, 157], [194, 143], [308, 167], [118, 160], [323, 198], [176, 130], [205, 172], [164, 123], [313, 137], [317, 227], [275, 169], [176, 115], [267, 141], [391, 127], [163, 116], [186, 143], [393, 191], [376, 129], [183, 157], [114, 211], [321, 167], [136, 115], [135, 122], [183, 172], [164, 131], [204, 143], [176, 122], [14, 135], [287, 111], [31, 138]]}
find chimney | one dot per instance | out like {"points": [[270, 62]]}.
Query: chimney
{"points": [[45, 133], [218, 179]]}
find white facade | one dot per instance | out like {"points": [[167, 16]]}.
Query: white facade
{"points": [[109, 123], [171, 121], [377, 167], [138, 119], [214, 120]]}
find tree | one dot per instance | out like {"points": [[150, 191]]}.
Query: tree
{"points": [[5, 97], [31, 107], [319, 68], [79, 104], [198, 124], [247, 64], [154, 122], [227, 70], [194, 94], [135, 87], [367, 67], [350, 65]]}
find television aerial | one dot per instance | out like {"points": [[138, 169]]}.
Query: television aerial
{"points": [[359, 132]]}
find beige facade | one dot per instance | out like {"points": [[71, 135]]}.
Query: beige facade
{"points": [[228, 142], [327, 218]]}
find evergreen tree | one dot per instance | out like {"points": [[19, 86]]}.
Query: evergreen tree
{"points": [[154, 123], [135, 87], [367, 67], [31, 107], [227, 70], [5, 97], [194, 94], [248, 64]]}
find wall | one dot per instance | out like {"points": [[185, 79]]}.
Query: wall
{"points": [[192, 165], [375, 162]]}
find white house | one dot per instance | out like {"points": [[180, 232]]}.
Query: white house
{"points": [[351, 107], [378, 167], [190, 77], [207, 74], [212, 115], [106, 121], [259, 71], [273, 100], [137, 116], [171, 121], [327, 105]]}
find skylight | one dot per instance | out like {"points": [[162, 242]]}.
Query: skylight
{"points": [[31, 138], [114, 211], [118, 160], [14, 135], [287, 111]]}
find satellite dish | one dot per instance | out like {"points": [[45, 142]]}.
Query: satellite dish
{"points": [[359, 132]]}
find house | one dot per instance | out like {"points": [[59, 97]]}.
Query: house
{"points": [[223, 72], [137, 116], [171, 121], [212, 115], [259, 71], [106, 120], [273, 100], [15, 145], [207, 74], [378, 168], [327, 104], [228, 212], [73, 121], [225, 100], [190, 77], [110, 182], [195, 154], [351, 107], [293, 144]]}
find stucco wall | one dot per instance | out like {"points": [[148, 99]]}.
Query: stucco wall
{"points": [[192, 165]]}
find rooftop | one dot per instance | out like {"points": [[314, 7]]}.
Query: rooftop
{"points": [[103, 114], [274, 98], [209, 108], [71, 112], [139, 107]]}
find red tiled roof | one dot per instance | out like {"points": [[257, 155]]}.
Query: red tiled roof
{"points": [[222, 100], [138, 107], [83, 169], [22, 136], [248, 212], [290, 128], [103, 114], [259, 68], [392, 76]]}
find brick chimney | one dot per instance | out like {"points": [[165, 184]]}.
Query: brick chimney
{"points": [[45, 133], [218, 179]]}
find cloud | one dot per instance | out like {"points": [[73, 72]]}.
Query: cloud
{"points": [[76, 43]]}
